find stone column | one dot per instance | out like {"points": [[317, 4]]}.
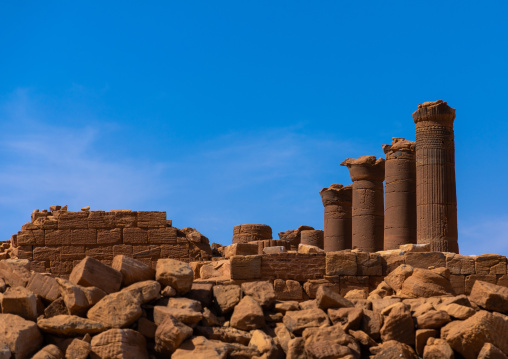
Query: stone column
{"points": [[337, 201], [367, 175], [313, 237], [436, 199], [400, 193], [245, 233]]}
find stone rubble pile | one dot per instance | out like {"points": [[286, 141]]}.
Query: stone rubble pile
{"points": [[129, 310]]}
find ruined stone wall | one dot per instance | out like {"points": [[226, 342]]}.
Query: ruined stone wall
{"points": [[361, 270], [55, 241]]}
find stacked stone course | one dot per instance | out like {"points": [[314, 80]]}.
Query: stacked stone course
{"points": [[54, 241]]}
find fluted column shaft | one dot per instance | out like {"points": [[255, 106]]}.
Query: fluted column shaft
{"points": [[367, 175], [435, 176], [337, 201], [400, 193]]}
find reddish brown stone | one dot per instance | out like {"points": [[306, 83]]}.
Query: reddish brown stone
{"points": [[83, 236], [400, 193], [72, 252], [166, 235], [101, 220], [71, 220], [30, 238], [313, 238], [110, 236], [60, 237], [245, 233], [435, 176], [367, 175], [337, 201], [135, 236], [151, 219], [293, 236]]}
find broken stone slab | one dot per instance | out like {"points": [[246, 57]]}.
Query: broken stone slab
{"points": [[262, 292], [308, 249], [398, 324], [274, 250], [170, 334], [146, 290], [438, 348], [79, 299], [224, 334], [15, 272], [78, 349], [187, 316], [247, 315], [117, 310], [22, 336], [200, 347], [328, 298], [44, 286], [119, 343], [240, 249], [426, 283], [185, 303], [177, 274], [70, 325], [287, 289], [330, 342], [227, 297], [50, 351], [92, 273], [490, 296], [297, 321], [490, 351], [132, 270]]}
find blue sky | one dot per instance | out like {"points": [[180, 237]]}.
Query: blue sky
{"points": [[231, 112]]}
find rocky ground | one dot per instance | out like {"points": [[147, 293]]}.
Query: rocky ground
{"points": [[129, 310]]}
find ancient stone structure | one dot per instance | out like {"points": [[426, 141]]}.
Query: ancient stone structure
{"points": [[245, 233], [435, 176], [367, 175], [313, 238], [400, 193], [55, 240], [337, 201]]}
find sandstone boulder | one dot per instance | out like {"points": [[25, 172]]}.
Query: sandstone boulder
{"points": [[170, 334], [297, 321], [187, 316], [396, 278], [185, 303], [468, 337], [330, 342], [225, 334], [264, 344], [296, 349], [177, 274], [262, 292], [15, 272], [490, 351], [433, 319], [50, 351], [57, 307], [393, 349], [44, 286], [92, 273], [287, 290], [19, 301], [79, 299], [371, 323], [398, 324], [286, 306], [227, 297], [490, 296], [78, 349], [202, 292], [437, 348], [70, 325], [248, 315], [119, 343], [346, 318], [328, 298], [457, 311], [240, 249], [421, 338], [426, 283], [307, 248], [201, 348], [117, 310], [22, 336], [146, 290], [132, 270]]}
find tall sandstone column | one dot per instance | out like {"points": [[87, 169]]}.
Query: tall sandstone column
{"points": [[367, 175], [337, 201], [400, 193], [435, 176]]}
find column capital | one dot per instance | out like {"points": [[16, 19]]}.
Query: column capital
{"points": [[399, 145], [434, 111], [337, 194], [365, 168]]}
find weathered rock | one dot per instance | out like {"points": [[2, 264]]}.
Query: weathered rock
{"points": [[341, 263], [202, 292], [132, 270], [147, 328], [307, 248], [378, 305], [22, 336], [79, 299], [210, 319], [248, 315], [433, 319], [78, 349], [283, 336], [227, 297], [117, 310], [425, 283], [56, 308], [393, 349], [457, 311], [468, 337], [264, 344], [225, 334], [396, 278], [178, 275], [421, 338], [328, 298], [490, 296], [19, 301], [187, 316], [490, 351], [168, 291], [346, 318], [262, 292], [119, 343], [202, 348], [70, 325], [287, 290], [297, 321], [372, 323], [50, 351], [44, 286], [5, 352], [330, 342], [362, 338], [398, 324], [286, 306], [92, 273], [240, 249], [170, 334], [296, 349], [146, 290], [185, 303], [15, 272], [437, 348]]}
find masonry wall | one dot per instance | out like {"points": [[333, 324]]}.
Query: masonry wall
{"points": [[360, 270], [56, 241]]}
